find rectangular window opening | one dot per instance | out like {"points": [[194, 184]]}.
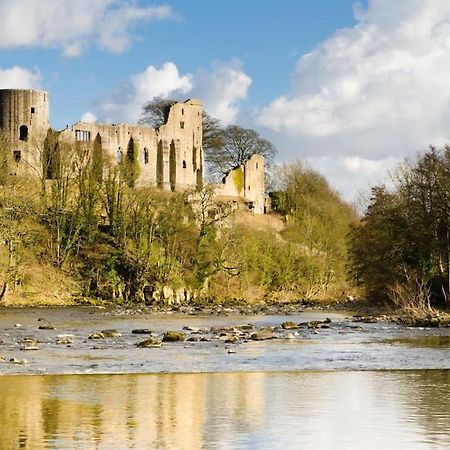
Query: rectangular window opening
{"points": [[182, 125], [82, 135], [33, 110], [17, 156]]}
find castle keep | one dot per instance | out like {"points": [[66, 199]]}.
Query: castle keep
{"points": [[170, 156]]}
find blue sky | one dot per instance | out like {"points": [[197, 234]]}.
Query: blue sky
{"points": [[350, 87], [266, 39]]}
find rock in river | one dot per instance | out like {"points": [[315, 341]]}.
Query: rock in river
{"points": [[289, 325], [96, 336], [18, 361], [141, 331], [111, 333], [174, 336], [263, 334], [149, 343]]}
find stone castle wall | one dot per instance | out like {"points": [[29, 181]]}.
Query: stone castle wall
{"points": [[170, 156], [246, 182]]}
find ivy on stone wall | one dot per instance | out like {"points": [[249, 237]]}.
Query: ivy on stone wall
{"points": [[238, 179]]}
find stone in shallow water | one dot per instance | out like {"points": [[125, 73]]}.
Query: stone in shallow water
{"points": [[174, 336], [96, 336], [18, 361], [111, 333], [29, 341], [245, 327], [315, 324], [149, 343], [192, 329], [263, 334], [46, 327], [141, 331], [289, 325]]}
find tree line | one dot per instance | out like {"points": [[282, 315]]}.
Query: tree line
{"points": [[400, 250], [123, 242], [87, 217]]}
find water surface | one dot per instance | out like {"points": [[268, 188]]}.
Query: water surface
{"points": [[337, 410], [345, 345]]}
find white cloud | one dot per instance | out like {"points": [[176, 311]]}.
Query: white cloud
{"points": [[353, 175], [125, 103], [219, 89], [19, 78], [74, 25], [88, 117], [374, 91]]}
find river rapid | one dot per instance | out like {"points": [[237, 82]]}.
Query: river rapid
{"points": [[343, 385]]}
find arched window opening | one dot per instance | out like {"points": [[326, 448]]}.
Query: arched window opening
{"points": [[145, 155], [23, 133], [184, 165]]}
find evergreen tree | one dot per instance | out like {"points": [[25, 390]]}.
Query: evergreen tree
{"points": [[131, 167]]}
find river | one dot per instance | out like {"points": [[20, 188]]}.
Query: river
{"points": [[347, 386]]}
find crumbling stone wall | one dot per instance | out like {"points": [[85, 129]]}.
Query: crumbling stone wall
{"points": [[246, 182], [170, 156]]}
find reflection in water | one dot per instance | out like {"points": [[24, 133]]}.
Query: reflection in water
{"points": [[427, 341], [308, 410]]}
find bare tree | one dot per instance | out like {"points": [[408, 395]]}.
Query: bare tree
{"points": [[156, 112], [224, 149], [239, 144]]}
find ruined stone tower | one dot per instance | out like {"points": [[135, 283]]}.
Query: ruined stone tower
{"points": [[24, 121]]}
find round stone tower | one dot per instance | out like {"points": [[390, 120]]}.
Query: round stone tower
{"points": [[24, 121]]}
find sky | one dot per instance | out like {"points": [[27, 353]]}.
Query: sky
{"points": [[352, 88]]}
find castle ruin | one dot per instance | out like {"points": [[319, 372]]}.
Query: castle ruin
{"points": [[170, 156]]}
